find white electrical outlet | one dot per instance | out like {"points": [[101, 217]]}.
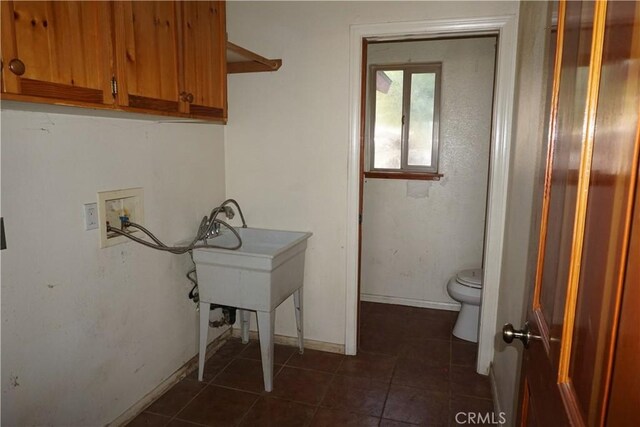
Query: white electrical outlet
{"points": [[90, 216], [112, 205]]}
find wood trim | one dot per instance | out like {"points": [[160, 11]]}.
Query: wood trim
{"points": [[526, 404], [107, 107], [421, 176], [107, 60], [201, 110], [183, 106], [624, 273], [543, 329], [56, 90], [222, 14], [120, 49], [571, 404], [546, 199], [593, 87], [10, 82], [153, 104], [254, 63], [621, 409], [251, 67]]}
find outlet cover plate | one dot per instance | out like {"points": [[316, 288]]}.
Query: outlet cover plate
{"points": [[112, 204], [90, 216]]}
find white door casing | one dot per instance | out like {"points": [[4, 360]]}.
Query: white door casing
{"points": [[506, 27]]}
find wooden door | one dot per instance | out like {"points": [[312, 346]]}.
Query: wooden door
{"points": [[57, 51], [205, 64], [589, 200], [148, 39]]}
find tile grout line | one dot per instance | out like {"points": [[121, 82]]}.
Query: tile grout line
{"points": [[386, 397], [207, 384], [333, 376]]}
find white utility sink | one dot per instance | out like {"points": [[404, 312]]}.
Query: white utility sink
{"points": [[259, 276]]}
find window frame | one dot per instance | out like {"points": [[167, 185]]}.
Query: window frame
{"points": [[405, 171]]}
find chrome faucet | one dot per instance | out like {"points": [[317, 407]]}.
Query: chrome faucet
{"points": [[214, 224]]}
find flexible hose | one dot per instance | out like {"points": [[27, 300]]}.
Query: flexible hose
{"points": [[159, 245], [206, 229], [218, 209]]}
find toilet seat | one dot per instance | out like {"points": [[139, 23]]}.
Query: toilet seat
{"points": [[470, 278]]}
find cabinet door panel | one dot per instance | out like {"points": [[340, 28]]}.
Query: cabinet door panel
{"points": [[205, 57], [147, 43], [65, 48]]}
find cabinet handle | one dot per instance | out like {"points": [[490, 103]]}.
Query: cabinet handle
{"points": [[16, 66], [186, 97]]}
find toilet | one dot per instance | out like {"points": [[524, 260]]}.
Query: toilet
{"points": [[466, 288]]}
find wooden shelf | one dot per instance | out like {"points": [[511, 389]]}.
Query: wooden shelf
{"points": [[241, 60]]}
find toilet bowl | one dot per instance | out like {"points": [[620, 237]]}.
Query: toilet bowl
{"points": [[466, 288]]}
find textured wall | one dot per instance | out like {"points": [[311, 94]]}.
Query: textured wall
{"points": [[288, 134], [417, 234], [525, 195], [87, 332]]}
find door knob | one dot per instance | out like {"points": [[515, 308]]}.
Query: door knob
{"points": [[16, 66], [186, 97], [524, 335]]}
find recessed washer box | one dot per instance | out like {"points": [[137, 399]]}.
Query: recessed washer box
{"points": [[114, 204]]}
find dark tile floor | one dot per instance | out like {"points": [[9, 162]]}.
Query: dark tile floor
{"points": [[409, 371]]}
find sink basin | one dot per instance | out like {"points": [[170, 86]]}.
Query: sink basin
{"points": [[259, 275]]}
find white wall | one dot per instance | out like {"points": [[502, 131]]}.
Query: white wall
{"points": [[417, 234], [87, 332], [525, 196], [288, 133]]}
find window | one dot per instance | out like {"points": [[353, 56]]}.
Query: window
{"points": [[404, 104]]}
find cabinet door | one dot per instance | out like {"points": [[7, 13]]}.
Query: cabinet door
{"points": [[147, 37], [57, 51], [205, 61]]}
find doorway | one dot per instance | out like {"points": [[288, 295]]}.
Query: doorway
{"points": [[428, 110], [505, 27]]}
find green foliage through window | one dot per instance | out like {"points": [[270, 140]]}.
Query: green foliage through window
{"points": [[404, 102]]}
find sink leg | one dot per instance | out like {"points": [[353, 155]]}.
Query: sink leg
{"points": [[244, 325], [297, 302], [204, 335], [266, 321]]}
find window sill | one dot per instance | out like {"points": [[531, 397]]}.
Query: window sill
{"points": [[421, 176]]}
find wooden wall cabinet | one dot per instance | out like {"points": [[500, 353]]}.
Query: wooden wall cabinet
{"points": [[147, 54], [57, 52], [204, 52], [159, 57]]}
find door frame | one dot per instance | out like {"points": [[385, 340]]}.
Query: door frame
{"points": [[506, 27]]}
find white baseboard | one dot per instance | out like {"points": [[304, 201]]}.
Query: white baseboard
{"points": [[293, 341], [450, 306], [171, 380], [497, 405]]}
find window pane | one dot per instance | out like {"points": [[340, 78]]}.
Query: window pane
{"points": [[387, 134], [421, 118]]}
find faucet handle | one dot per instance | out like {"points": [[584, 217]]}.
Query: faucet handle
{"points": [[229, 212]]}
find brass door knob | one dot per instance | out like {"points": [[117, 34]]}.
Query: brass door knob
{"points": [[524, 334], [16, 66]]}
